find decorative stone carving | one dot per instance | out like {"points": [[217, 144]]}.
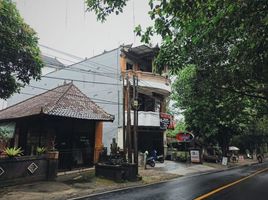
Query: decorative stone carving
{"points": [[32, 167]]}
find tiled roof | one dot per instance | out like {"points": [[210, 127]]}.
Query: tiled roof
{"points": [[65, 101]]}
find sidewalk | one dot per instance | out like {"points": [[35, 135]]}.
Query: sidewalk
{"points": [[83, 183]]}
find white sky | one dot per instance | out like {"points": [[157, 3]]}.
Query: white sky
{"points": [[63, 25]]}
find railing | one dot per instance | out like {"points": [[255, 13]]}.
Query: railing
{"points": [[146, 118], [152, 80]]}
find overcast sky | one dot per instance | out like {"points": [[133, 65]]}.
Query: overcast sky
{"points": [[64, 25]]}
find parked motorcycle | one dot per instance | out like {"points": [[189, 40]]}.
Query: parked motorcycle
{"points": [[150, 161], [159, 158]]}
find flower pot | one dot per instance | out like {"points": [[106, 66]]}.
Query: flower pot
{"points": [[53, 155]]}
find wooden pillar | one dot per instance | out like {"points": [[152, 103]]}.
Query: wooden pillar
{"points": [[98, 141], [123, 63]]}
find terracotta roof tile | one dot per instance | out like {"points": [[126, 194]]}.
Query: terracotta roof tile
{"points": [[65, 101]]}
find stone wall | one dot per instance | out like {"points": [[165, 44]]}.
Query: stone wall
{"points": [[27, 169]]}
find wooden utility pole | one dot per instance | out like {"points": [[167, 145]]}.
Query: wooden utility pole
{"points": [[135, 106], [124, 117], [129, 138]]}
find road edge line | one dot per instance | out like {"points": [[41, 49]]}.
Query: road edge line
{"points": [[229, 185]]}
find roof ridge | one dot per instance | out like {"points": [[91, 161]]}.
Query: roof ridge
{"points": [[91, 101], [32, 97], [61, 96]]}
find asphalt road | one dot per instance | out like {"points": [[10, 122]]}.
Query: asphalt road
{"points": [[249, 182]]}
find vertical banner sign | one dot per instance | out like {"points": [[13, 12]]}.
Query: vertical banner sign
{"points": [[166, 121]]}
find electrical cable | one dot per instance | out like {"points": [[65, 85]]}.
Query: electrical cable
{"points": [[81, 81], [79, 63]]}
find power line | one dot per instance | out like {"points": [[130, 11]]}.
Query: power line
{"points": [[76, 57], [78, 63], [62, 52], [41, 88], [81, 81], [25, 93], [88, 72]]}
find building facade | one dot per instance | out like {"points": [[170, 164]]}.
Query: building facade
{"points": [[64, 119], [101, 78]]}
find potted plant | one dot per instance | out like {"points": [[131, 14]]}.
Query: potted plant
{"points": [[40, 150], [12, 152], [52, 152]]}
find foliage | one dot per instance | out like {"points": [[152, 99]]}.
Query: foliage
{"points": [[4, 140], [228, 38], [213, 114], [103, 8], [19, 53], [40, 150], [180, 126], [3, 133], [218, 49], [13, 151], [255, 135]]}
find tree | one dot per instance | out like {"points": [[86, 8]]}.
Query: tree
{"points": [[228, 37], [218, 49], [211, 114], [20, 58]]}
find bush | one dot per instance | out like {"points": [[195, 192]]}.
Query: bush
{"points": [[13, 151], [40, 150]]}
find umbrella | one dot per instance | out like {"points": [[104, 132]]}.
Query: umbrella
{"points": [[233, 148]]}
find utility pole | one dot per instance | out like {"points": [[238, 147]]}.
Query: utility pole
{"points": [[129, 138], [135, 106], [124, 116]]}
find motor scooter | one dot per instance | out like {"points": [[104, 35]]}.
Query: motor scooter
{"points": [[159, 158], [150, 161]]}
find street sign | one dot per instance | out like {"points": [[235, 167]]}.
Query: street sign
{"points": [[224, 161], [195, 156]]}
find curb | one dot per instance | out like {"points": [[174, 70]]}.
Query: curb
{"points": [[165, 181]]}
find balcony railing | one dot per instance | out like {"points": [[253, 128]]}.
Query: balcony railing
{"points": [[152, 81], [145, 118], [154, 119]]}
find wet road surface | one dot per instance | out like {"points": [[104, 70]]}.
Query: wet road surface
{"points": [[249, 182]]}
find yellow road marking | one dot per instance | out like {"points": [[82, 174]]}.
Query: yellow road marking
{"points": [[229, 185]]}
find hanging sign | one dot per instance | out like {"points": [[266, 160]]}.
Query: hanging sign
{"points": [[184, 137], [166, 121]]}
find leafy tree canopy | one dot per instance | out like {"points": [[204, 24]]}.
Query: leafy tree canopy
{"points": [[218, 49], [19, 53], [228, 37]]}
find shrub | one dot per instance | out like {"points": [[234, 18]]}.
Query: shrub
{"points": [[40, 150], [13, 151]]}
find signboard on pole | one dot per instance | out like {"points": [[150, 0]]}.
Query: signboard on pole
{"points": [[195, 156], [224, 161]]}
